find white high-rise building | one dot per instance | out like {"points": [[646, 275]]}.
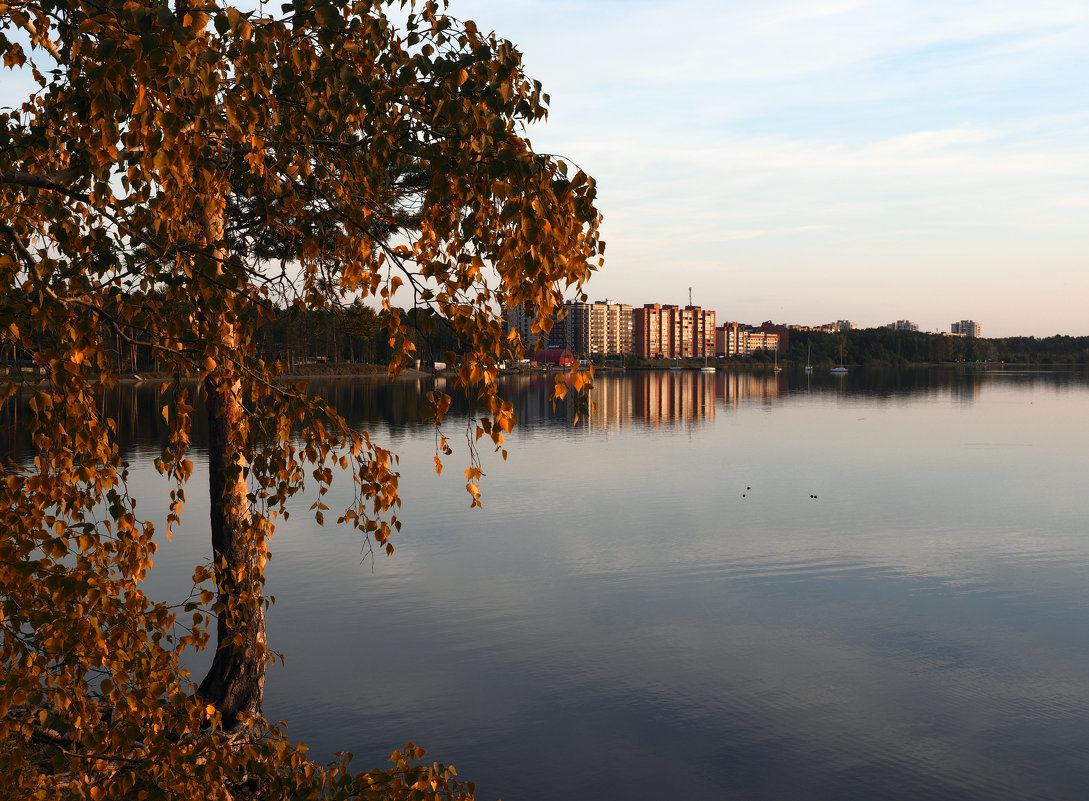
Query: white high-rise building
{"points": [[968, 328], [598, 329]]}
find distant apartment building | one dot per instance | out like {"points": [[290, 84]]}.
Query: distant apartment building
{"points": [[729, 339], [903, 325], [672, 332], [845, 325], [517, 320], [618, 323], [760, 340], [600, 328], [735, 339], [578, 322], [768, 327], [587, 329], [967, 328], [825, 328]]}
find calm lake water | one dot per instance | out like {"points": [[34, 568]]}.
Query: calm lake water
{"points": [[731, 586]]}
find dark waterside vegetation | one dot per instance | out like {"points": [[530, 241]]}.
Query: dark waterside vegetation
{"points": [[311, 340], [884, 347]]}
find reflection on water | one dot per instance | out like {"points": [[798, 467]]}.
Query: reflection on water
{"points": [[652, 398], [737, 585]]}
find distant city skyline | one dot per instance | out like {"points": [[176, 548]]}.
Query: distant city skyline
{"points": [[808, 162], [587, 329], [902, 324]]}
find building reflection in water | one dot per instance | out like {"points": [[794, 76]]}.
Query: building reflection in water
{"points": [[651, 397], [680, 397], [735, 387], [657, 398]]}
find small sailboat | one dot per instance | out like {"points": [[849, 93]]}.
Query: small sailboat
{"points": [[706, 367], [839, 369], [809, 357], [776, 368]]}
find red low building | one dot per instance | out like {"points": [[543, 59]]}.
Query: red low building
{"points": [[558, 357]]}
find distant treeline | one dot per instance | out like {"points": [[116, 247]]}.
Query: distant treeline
{"points": [[298, 337], [351, 335], [885, 346]]}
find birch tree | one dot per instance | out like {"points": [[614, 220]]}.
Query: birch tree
{"points": [[177, 174]]}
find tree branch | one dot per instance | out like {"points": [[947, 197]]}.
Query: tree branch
{"points": [[37, 38]]}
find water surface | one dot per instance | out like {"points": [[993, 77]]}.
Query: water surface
{"points": [[731, 586]]}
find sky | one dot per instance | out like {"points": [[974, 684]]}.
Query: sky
{"points": [[809, 161]]}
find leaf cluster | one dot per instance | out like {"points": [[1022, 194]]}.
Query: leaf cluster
{"points": [[179, 177]]}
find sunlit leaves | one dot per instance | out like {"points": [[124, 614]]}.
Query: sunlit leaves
{"points": [[176, 177]]}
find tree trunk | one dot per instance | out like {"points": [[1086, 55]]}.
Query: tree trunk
{"points": [[236, 680]]}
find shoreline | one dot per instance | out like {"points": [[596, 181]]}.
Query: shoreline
{"points": [[352, 371]]}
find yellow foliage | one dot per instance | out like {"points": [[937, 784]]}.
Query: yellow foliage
{"points": [[171, 178]]}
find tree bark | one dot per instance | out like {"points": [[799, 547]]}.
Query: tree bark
{"points": [[235, 682]]}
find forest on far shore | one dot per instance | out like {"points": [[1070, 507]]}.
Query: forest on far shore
{"points": [[887, 347]]}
